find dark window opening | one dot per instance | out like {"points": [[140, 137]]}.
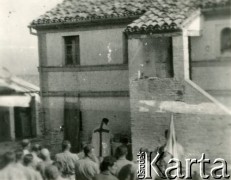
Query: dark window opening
{"points": [[72, 50], [170, 60], [226, 40], [190, 57], [125, 48]]}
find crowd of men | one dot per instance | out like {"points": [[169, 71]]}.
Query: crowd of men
{"points": [[35, 163]]}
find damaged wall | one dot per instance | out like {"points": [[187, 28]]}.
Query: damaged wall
{"points": [[196, 118], [197, 115]]}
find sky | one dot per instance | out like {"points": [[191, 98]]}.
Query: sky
{"points": [[18, 48]]}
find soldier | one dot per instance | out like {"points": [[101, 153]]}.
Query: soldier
{"points": [[67, 161]]}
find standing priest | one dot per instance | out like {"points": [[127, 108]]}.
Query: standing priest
{"points": [[101, 139]]}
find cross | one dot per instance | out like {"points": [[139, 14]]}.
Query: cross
{"points": [[101, 130]]}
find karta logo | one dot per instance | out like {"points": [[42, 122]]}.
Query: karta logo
{"points": [[173, 169]]}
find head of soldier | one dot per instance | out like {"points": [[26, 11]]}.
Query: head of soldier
{"points": [[108, 164], [166, 134], [45, 154], [66, 145], [51, 172], [19, 155], [88, 150], [121, 152], [105, 121], [8, 158], [28, 160], [26, 144], [36, 148]]}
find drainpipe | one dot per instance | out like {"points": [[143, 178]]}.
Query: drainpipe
{"points": [[31, 31]]}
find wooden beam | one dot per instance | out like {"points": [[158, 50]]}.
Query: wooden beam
{"points": [[86, 94], [83, 68]]}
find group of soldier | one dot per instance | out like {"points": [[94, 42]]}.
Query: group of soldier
{"points": [[94, 162], [35, 163]]}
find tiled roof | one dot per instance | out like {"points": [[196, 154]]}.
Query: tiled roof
{"points": [[170, 15], [167, 17], [86, 10], [151, 14]]}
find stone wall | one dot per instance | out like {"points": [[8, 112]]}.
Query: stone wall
{"points": [[201, 126], [202, 123]]}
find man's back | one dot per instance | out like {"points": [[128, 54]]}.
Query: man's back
{"points": [[32, 174], [67, 161], [36, 160], [12, 172], [86, 169], [42, 166]]}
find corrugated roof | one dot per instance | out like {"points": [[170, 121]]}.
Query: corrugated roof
{"points": [[10, 82], [152, 14]]}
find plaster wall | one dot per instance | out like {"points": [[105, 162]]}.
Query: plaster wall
{"points": [[97, 46], [213, 78], [87, 81], [211, 69], [207, 46]]}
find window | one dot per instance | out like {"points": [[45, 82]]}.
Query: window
{"points": [[226, 40], [72, 52]]}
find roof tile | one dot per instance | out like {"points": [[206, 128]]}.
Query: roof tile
{"points": [[154, 13]]}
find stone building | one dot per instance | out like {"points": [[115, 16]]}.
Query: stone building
{"points": [[137, 63]]}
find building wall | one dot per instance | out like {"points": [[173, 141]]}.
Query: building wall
{"points": [[104, 83], [116, 109], [154, 57], [210, 68], [104, 44], [197, 116], [207, 46], [151, 111], [87, 81]]}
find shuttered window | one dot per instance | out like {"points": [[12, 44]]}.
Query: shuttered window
{"points": [[72, 50]]}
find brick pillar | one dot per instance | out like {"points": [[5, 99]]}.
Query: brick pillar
{"points": [[181, 57]]}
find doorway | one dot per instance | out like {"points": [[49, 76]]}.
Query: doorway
{"points": [[4, 124], [72, 125], [23, 124]]}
